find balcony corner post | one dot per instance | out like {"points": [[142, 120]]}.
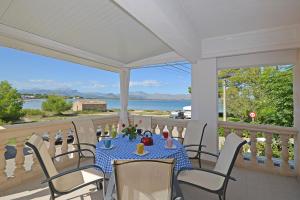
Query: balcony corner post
{"points": [[296, 97], [124, 94]]}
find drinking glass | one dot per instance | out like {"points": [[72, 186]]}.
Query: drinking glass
{"points": [[107, 143], [166, 134]]}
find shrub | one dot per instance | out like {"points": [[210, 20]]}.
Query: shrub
{"points": [[33, 112], [56, 104], [10, 103]]}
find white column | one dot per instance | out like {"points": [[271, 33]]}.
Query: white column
{"points": [[204, 101], [124, 93], [296, 93]]}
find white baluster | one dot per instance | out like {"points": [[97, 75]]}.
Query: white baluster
{"points": [[153, 128], [268, 151], [19, 157], [64, 147], [170, 129], [240, 157], [253, 148], [52, 149], [284, 166]]}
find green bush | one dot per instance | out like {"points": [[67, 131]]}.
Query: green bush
{"points": [[10, 103], [33, 112], [56, 104]]}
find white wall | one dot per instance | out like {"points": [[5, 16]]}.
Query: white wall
{"points": [[296, 92], [204, 100]]}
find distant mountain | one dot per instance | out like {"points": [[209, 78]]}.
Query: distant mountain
{"points": [[133, 95], [158, 96]]}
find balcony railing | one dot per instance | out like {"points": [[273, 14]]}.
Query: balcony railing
{"points": [[281, 138], [264, 135], [23, 166]]}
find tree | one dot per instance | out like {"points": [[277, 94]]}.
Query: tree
{"points": [[268, 91], [11, 103], [56, 104], [190, 90]]}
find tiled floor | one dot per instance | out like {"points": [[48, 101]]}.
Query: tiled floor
{"points": [[250, 185]]}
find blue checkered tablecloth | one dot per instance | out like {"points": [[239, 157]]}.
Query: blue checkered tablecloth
{"points": [[123, 149]]}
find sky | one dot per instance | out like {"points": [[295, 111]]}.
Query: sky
{"points": [[30, 71]]}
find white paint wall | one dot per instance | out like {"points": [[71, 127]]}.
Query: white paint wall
{"points": [[296, 91], [204, 100]]}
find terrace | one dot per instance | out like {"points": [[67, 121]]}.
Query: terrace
{"points": [[121, 35]]}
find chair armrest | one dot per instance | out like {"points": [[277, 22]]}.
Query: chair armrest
{"points": [[178, 137], [86, 144], [209, 171], [72, 171], [74, 151], [193, 145], [204, 152]]}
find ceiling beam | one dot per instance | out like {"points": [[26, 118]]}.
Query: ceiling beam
{"points": [[19, 39], [167, 21], [264, 40]]}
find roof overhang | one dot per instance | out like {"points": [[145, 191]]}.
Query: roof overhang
{"points": [[117, 34]]}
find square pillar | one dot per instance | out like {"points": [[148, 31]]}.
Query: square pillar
{"points": [[204, 101], [124, 93], [296, 94]]}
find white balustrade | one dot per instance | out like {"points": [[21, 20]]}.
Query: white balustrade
{"points": [[268, 164], [17, 135]]}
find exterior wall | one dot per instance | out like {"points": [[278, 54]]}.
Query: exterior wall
{"points": [[296, 92], [204, 101], [100, 107], [79, 106]]}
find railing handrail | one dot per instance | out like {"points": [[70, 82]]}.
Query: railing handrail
{"points": [[169, 121], [272, 129], [53, 125]]}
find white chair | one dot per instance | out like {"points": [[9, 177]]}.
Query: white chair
{"points": [[144, 179], [193, 138], [215, 180], [67, 181], [85, 137]]}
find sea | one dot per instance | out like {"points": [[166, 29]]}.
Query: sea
{"points": [[163, 105]]}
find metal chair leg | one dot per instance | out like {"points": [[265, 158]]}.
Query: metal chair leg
{"points": [[199, 161], [220, 197]]}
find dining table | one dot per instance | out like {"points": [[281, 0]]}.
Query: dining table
{"points": [[124, 149]]}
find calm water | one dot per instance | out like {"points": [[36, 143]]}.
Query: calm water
{"points": [[132, 104]]}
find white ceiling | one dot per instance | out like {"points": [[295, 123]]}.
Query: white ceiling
{"points": [[213, 18], [95, 26], [100, 32]]}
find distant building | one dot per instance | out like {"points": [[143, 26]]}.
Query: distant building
{"points": [[82, 105]]}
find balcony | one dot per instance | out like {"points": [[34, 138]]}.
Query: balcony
{"points": [[259, 177]]}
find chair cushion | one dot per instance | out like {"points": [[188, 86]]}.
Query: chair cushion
{"points": [[193, 135], [201, 178], [86, 133], [69, 181]]}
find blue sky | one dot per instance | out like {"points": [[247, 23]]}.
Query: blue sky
{"points": [[27, 71]]}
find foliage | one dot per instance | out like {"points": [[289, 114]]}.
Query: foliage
{"points": [[33, 112], [129, 131], [10, 103], [190, 90], [268, 91], [56, 104]]}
